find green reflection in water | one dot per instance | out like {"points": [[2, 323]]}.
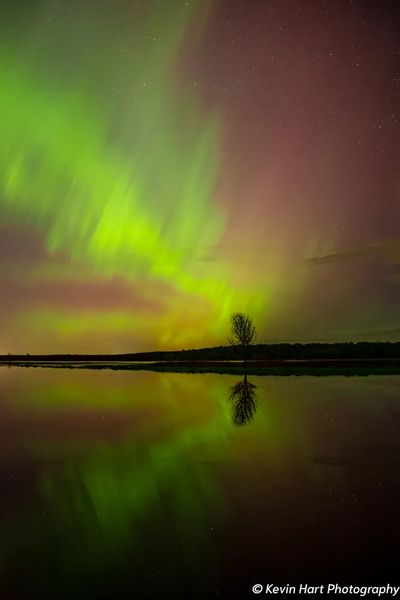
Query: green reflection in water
{"points": [[106, 499], [142, 477]]}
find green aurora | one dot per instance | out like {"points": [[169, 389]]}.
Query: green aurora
{"points": [[165, 163], [123, 183]]}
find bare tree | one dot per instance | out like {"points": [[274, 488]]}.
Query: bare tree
{"points": [[243, 333]]}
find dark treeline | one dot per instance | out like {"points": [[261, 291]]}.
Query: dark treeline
{"points": [[339, 351]]}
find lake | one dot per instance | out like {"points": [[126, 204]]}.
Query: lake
{"points": [[147, 485]]}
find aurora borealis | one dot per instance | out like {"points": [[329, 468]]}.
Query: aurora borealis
{"points": [[165, 163]]}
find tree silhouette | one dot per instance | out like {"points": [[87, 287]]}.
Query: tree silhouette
{"points": [[243, 333], [243, 395]]}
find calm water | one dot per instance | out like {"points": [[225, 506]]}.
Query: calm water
{"points": [[154, 485]]}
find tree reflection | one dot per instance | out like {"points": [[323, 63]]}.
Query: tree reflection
{"points": [[243, 396]]}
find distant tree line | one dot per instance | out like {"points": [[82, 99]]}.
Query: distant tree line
{"points": [[341, 350], [345, 350]]}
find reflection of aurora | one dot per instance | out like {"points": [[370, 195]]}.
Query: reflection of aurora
{"points": [[134, 472], [121, 504], [123, 182], [123, 499]]}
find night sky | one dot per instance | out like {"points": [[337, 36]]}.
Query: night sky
{"points": [[165, 163]]}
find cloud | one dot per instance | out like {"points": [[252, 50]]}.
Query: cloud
{"points": [[334, 256], [387, 249]]}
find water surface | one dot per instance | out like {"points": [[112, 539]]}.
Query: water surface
{"points": [[145, 485]]}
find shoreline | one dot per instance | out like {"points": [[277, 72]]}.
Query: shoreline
{"points": [[318, 368]]}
